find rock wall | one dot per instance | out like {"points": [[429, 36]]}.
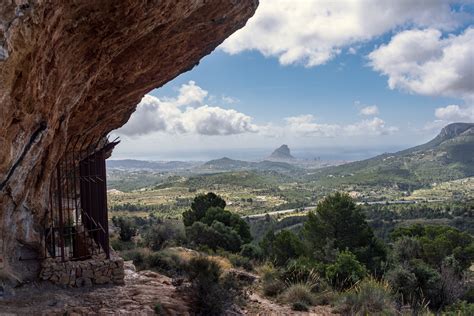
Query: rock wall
{"points": [[78, 68], [97, 270]]}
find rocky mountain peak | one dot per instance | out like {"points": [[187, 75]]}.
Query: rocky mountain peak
{"points": [[282, 152]]}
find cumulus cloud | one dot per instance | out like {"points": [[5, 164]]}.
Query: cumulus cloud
{"points": [[369, 110], [313, 32], [425, 62], [453, 113], [167, 115], [306, 125]]}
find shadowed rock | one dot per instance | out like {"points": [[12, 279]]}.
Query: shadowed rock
{"points": [[79, 68]]}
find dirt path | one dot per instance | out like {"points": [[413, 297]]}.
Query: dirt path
{"points": [[261, 306]]}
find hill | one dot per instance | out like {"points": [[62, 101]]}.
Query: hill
{"points": [[281, 153], [227, 164], [132, 164], [448, 156]]}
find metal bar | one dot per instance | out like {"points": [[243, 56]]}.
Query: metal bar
{"points": [[61, 228]]}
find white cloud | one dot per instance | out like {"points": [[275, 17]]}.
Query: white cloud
{"points": [[229, 100], [425, 62], [312, 32], [166, 115], [455, 113], [369, 110], [305, 125]]}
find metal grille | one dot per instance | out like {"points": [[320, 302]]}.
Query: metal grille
{"points": [[77, 224]]}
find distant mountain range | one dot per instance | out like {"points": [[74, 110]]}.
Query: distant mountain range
{"points": [[227, 164], [131, 164], [449, 156]]}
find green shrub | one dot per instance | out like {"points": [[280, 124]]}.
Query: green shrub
{"points": [[298, 293], [211, 297], [282, 246], [304, 271], [345, 271], [138, 256], [160, 235], [127, 227], [368, 297], [340, 223], [165, 262], [120, 245], [299, 306], [240, 261], [272, 285], [460, 308], [200, 205], [252, 251]]}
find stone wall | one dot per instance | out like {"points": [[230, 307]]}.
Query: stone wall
{"points": [[97, 270]]}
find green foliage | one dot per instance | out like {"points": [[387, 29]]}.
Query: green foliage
{"points": [[165, 262], [340, 223], [299, 306], [166, 233], [138, 257], [460, 308], [200, 205], [215, 236], [252, 251], [272, 284], [211, 297], [208, 224], [299, 292], [304, 271], [127, 227], [368, 297], [228, 219], [345, 271], [439, 242], [282, 246]]}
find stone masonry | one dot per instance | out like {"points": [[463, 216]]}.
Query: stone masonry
{"points": [[97, 270]]}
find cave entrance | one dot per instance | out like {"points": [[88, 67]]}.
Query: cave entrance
{"points": [[77, 222]]}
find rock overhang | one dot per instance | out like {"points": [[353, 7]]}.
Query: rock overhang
{"points": [[70, 68]]}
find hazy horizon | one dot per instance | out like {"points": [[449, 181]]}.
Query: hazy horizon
{"points": [[256, 154]]}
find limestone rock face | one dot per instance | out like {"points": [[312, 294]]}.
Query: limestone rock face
{"points": [[80, 67]]}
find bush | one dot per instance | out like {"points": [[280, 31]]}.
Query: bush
{"points": [[299, 306], [272, 285], [167, 233], [166, 262], [282, 246], [200, 205], [138, 257], [368, 297], [127, 227], [211, 297], [215, 236], [339, 222], [460, 308], [240, 261], [298, 293], [346, 271], [304, 271], [252, 251]]}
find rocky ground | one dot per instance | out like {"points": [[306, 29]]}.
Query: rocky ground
{"points": [[139, 296]]}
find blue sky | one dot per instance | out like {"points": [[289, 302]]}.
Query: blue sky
{"points": [[332, 83]]}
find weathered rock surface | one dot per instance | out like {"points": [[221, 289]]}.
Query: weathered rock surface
{"points": [[80, 67]]}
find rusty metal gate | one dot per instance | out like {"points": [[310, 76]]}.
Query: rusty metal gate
{"points": [[77, 223]]}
